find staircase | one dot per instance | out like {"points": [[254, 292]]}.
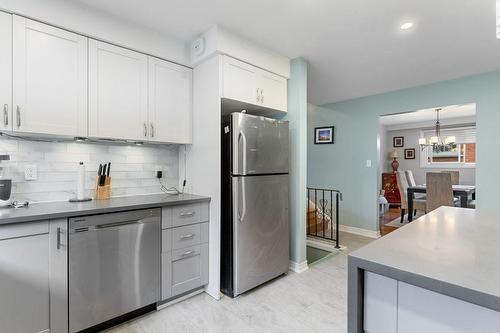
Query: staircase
{"points": [[323, 214]]}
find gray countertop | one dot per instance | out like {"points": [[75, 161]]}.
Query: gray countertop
{"points": [[453, 251], [52, 210]]}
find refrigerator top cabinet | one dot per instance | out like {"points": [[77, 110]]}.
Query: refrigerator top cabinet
{"points": [[260, 145]]}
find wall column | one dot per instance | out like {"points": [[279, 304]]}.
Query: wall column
{"points": [[297, 116]]}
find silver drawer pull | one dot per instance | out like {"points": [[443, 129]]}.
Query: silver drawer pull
{"points": [[188, 236], [189, 253], [187, 214], [5, 114]]}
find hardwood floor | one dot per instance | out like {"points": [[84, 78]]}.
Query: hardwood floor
{"points": [[390, 215]]}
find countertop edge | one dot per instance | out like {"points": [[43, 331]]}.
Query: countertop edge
{"points": [[100, 210], [442, 287]]}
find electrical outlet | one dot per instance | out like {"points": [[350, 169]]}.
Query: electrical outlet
{"points": [[368, 163], [30, 172]]}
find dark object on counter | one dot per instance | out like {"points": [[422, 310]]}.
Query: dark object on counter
{"points": [[17, 204]]}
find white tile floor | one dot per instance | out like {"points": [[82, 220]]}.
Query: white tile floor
{"points": [[314, 301]]}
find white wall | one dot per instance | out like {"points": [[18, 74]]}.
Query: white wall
{"points": [[467, 176], [132, 168], [82, 19]]}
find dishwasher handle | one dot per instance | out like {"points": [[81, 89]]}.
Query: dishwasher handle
{"points": [[117, 224]]}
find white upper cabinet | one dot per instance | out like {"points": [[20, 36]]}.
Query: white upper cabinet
{"points": [[249, 84], [240, 81], [273, 93], [6, 70], [49, 79], [170, 102], [118, 92]]}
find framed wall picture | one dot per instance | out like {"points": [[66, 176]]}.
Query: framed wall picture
{"points": [[410, 154], [398, 141], [324, 135]]}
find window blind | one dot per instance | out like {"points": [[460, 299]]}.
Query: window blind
{"points": [[462, 134]]}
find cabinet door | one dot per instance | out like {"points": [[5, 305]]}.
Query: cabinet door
{"points": [[189, 268], [170, 102], [118, 80], [422, 310], [6, 70], [24, 284], [240, 81], [49, 79], [380, 304], [58, 275], [273, 91]]}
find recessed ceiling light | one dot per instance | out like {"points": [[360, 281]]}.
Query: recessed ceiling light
{"points": [[406, 26]]}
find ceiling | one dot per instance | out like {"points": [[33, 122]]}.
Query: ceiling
{"points": [[354, 47], [465, 111]]}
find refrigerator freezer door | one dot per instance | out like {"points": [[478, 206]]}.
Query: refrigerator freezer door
{"points": [[259, 145], [260, 230]]}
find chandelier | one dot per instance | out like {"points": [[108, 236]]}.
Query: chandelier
{"points": [[436, 142]]}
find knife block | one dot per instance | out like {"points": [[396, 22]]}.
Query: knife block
{"points": [[103, 192]]}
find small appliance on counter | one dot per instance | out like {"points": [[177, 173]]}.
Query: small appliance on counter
{"points": [[5, 181]]}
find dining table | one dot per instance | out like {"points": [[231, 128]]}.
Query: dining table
{"points": [[463, 192]]}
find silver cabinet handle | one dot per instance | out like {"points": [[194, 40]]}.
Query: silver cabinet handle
{"points": [[5, 114], [189, 253], [187, 214], [188, 236], [152, 130], [257, 94], [58, 238], [145, 129], [262, 96], [18, 115]]}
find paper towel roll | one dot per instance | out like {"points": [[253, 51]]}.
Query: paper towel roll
{"points": [[80, 182]]}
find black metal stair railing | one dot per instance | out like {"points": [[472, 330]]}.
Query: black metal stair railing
{"points": [[323, 213]]}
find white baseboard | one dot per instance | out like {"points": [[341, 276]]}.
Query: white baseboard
{"points": [[179, 299], [298, 267], [360, 231], [324, 245]]}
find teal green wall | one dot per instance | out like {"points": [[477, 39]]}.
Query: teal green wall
{"points": [[297, 116], [343, 165]]}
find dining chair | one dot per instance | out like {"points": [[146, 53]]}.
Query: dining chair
{"points": [[410, 178], [455, 176], [439, 190], [418, 203]]}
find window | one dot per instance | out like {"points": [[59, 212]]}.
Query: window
{"points": [[460, 155]]}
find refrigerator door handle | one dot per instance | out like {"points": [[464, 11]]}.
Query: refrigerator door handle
{"points": [[244, 152], [243, 200]]}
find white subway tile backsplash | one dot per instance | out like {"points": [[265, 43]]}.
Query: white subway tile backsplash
{"points": [[132, 168]]}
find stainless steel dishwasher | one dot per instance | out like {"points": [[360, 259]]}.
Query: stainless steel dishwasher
{"points": [[114, 265]]}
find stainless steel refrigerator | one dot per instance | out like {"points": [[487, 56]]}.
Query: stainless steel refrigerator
{"points": [[254, 207]]}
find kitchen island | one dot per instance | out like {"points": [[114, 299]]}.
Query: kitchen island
{"points": [[440, 273]]}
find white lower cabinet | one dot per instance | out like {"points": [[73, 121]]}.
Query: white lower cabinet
{"points": [[422, 310], [184, 249], [395, 306], [380, 304], [24, 278]]}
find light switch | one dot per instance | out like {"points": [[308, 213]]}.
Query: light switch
{"points": [[368, 163]]}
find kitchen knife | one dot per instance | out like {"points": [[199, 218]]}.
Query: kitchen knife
{"points": [[109, 167], [100, 170], [102, 178]]}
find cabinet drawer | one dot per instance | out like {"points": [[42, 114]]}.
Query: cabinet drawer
{"points": [[23, 229], [186, 236], [189, 268], [189, 214]]}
